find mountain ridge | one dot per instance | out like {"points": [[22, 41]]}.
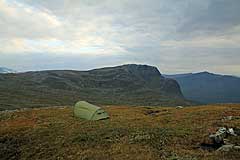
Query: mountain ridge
{"points": [[197, 73], [127, 85], [209, 87]]}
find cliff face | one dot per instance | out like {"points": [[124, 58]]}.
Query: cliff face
{"points": [[128, 85], [137, 77]]}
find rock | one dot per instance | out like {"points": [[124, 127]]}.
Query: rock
{"points": [[151, 112], [229, 118], [226, 141], [236, 148], [218, 137], [179, 107], [225, 148], [222, 130], [231, 132], [237, 131]]}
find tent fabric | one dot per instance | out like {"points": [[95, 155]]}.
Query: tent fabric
{"points": [[85, 110]]}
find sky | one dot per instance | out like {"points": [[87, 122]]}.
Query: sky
{"points": [[177, 36]]}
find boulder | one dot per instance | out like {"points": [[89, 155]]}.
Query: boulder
{"points": [[225, 148], [237, 131], [236, 148], [231, 132], [229, 147], [218, 137], [229, 118], [226, 141], [179, 107]]}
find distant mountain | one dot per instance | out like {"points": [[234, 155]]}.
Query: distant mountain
{"points": [[207, 87], [6, 70], [127, 85]]}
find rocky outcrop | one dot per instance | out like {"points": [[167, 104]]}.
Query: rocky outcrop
{"points": [[220, 138]]}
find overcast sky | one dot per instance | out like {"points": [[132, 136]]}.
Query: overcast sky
{"points": [[177, 36]]}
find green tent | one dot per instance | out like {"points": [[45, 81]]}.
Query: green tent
{"points": [[88, 111]]}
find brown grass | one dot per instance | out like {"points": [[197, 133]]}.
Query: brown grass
{"points": [[131, 133]]}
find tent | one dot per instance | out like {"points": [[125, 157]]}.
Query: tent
{"points": [[85, 110]]}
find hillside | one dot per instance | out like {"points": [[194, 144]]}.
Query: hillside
{"points": [[207, 87], [6, 70], [142, 133], [127, 84]]}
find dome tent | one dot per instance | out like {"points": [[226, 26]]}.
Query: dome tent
{"points": [[85, 110]]}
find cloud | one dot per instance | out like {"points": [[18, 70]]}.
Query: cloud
{"points": [[213, 17], [27, 29], [176, 36], [22, 21]]}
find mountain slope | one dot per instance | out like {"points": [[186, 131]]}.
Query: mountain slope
{"points": [[127, 84], [6, 70], [208, 87]]}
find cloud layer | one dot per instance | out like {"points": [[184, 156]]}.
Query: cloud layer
{"points": [[177, 36]]}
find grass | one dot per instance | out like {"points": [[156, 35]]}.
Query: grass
{"points": [[131, 133]]}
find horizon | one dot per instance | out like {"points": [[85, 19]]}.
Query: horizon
{"points": [[196, 72], [175, 36]]}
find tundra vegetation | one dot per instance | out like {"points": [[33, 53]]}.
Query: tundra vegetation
{"points": [[130, 133]]}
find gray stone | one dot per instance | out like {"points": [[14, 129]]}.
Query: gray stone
{"points": [[231, 132], [179, 107], [237, 131], [226, 141], [222, 130], [225, 148], [229, 117], [236, 148], [218, 137]]}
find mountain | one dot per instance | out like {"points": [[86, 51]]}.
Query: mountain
{"points": [[207, 87], [126, 85], [6, 70]]}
